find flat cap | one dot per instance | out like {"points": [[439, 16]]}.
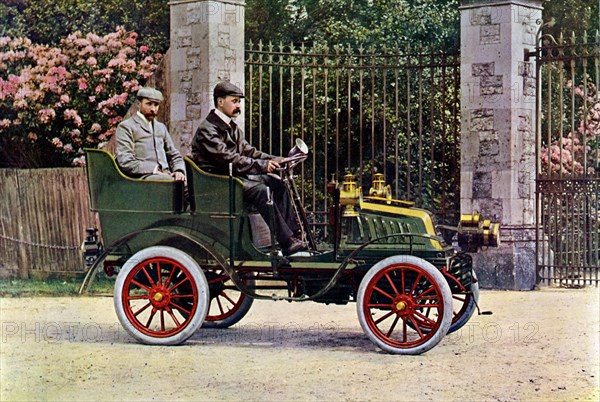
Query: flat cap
{"points": [[150, 93], [225, 88]]}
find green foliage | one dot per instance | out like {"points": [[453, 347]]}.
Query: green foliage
{"points": [[49, 21], [355, 22], [576, 16]]}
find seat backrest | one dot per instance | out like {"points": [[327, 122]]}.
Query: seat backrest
{"points": [[111, 190], [210, 192]]}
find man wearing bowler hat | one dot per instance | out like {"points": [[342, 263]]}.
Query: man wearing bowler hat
{"points": [[144, 147], [219, 141]]}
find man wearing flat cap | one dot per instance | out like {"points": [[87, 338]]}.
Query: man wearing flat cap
{"points": [[219, 141], [144, 147]]}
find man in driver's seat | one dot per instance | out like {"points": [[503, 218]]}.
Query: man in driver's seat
{"points": [[219, 141]]}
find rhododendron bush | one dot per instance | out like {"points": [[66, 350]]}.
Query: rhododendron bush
{"points": [[577, 153], [56, 101]]}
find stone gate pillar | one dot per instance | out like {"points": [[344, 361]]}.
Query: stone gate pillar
{"points": [[207, 46], [498, 91]]}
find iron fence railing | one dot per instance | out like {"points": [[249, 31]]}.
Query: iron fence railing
{"points": [[568, 171], [362, 111]]}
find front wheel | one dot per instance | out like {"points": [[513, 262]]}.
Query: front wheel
{"points": [[390, 303], [161, 296]]}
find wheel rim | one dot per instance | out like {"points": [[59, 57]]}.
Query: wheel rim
{"points": [[153, 295], [397, 298], [460, 304], [225, 298]]}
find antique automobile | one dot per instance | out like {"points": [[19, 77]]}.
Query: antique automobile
{"points": [[182, 263]]}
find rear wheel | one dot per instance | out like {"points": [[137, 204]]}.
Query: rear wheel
{"points": [[391, 299], [228, 305], [161, 296]]}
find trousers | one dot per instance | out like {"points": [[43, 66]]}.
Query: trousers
{"points": [[256, 194]]}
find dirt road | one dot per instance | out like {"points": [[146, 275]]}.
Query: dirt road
{"points": [[541, 345]]}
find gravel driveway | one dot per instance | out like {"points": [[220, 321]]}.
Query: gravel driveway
{"points": [[541, 345]]}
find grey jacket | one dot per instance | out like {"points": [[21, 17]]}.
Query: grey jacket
{"points": [[216, 145], [139, 150]]}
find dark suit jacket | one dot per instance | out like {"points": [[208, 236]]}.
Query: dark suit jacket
{"points": [[216, 145]]}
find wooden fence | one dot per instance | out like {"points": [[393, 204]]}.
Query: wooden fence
{"points": [[43, 217]]}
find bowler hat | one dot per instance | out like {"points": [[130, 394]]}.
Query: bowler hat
{"points": [[224, 88], [150, 93]]}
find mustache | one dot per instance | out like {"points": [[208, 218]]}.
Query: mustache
{"points": [[237, 110]]}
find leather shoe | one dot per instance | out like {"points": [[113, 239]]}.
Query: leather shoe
{"points": [[294, 245]]}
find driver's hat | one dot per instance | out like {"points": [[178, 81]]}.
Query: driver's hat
{"points": [[224, 88]]}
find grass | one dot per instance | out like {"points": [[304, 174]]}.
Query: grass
{"points": [[52, 287]]}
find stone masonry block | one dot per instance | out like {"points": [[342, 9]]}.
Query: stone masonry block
{"points": [[224, 40], [526, 69], [489, 147], [489, 34], [482, 185], [223, 75], [194, 112], [524, 122], [482, 120], [194, 59], [529, 86], [491, 85], [526, 180], [481, 16], [482, 69]]}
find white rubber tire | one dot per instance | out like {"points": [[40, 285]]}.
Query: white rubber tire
{"points": [[445, 296], [471, 307], [191, 324]]}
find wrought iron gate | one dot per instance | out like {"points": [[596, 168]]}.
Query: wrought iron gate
{"points": [[393, 111], [568, 170]]}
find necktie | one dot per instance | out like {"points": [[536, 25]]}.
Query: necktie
{"points": [[233, 126]]}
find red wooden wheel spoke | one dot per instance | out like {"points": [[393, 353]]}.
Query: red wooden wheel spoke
{"points": [[431, 289], [381, 305], [173, 317], [179, 283], [223, 294], [162, 320], [425, 318], [404, 330], [180, 296], [427, 305], [403, 280], [217, 279], [159, 278], [140, 285], [458, 297], [415, 284], [219, 304], [384, 317], [383, 293], [393, 326], [178, 307], [416, 326], [139, 297], [148, 276], [142, 309], [387, 276], [170, 278], [154, 310]]}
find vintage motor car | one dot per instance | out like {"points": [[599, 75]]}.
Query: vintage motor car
{"points": [[182, 263]]}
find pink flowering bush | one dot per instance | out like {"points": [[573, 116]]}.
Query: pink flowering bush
{"points": [[567, 155], [62, 100]]}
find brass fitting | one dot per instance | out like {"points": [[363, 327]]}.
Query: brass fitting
{"points": [[379, 189], [350, 195]]}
